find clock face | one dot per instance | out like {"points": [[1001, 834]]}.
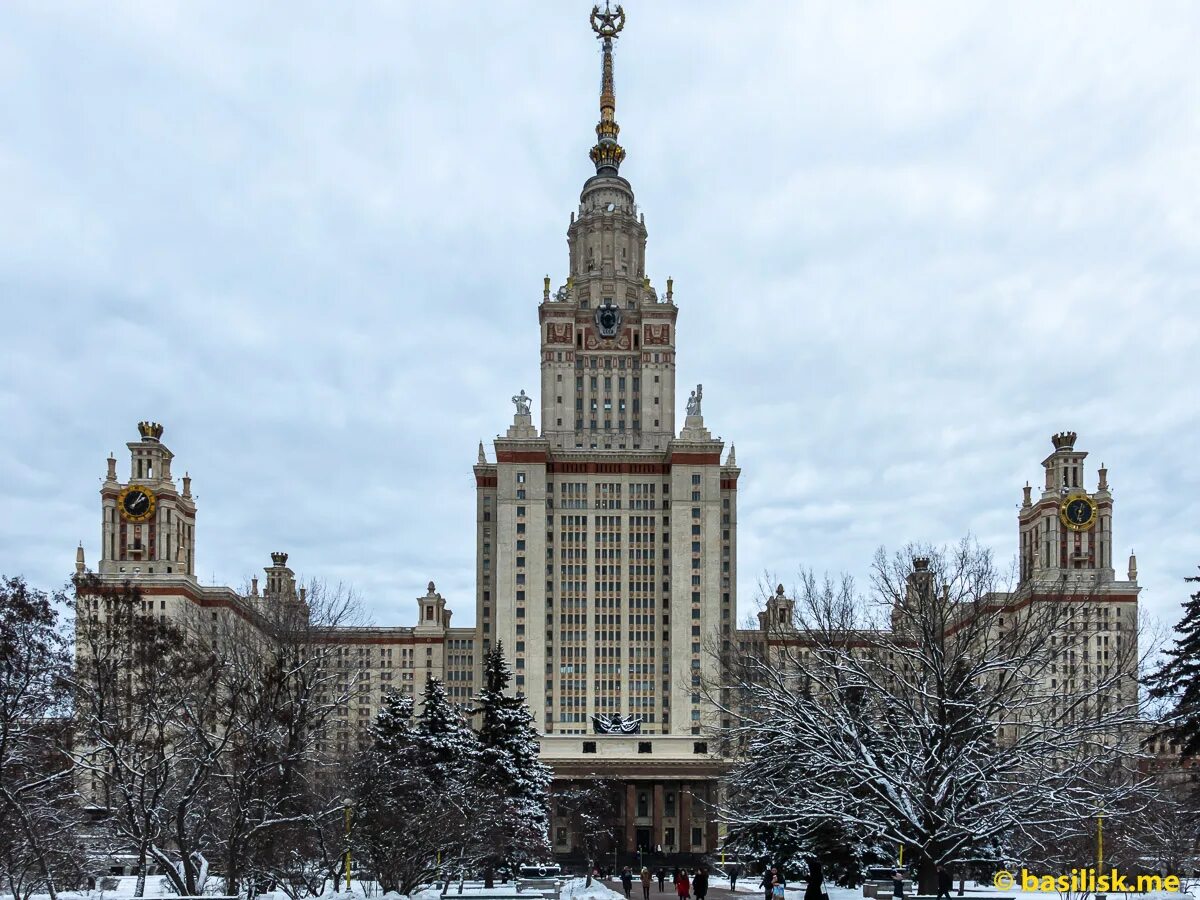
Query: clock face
{"points": [[608, 320], [1078, 512], [136, 503]]}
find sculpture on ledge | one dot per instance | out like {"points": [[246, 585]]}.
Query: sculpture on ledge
{"points": [[693, 404], [522, 403]]}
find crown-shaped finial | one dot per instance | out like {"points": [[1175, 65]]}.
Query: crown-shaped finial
{"points": [[150, 431], [1064, 440], [279, 559], [920, 563]]}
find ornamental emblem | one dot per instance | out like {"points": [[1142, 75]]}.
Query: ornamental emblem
{"points": [[616, 724], [608, 320]]}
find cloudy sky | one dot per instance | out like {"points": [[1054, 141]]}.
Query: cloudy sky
{"points": [[909, 243]]}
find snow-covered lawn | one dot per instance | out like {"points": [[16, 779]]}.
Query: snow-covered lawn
{"points": [[575, 889]]}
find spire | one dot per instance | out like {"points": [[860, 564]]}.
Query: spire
{"points": [[607, 154]]}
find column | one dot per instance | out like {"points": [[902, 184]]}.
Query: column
{"points": [[712, 835], [657, 836], [685, 818], [630, 812]]}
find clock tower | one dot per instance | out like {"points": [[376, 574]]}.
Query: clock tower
{"points": [[148, 527], [1066, 532]]}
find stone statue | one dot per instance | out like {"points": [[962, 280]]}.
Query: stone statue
{"points": [[693, 404], [522, 402]]}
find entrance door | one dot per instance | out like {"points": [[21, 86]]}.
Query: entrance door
{"points": [[643, 840]]}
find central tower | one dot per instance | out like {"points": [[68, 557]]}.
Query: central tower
{"points": [[608, 339], [606, 534]]}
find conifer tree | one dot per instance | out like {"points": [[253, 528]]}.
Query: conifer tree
{"points": [[509, 768], [1177, 681]]}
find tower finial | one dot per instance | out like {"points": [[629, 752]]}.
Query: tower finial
{"points": [[607, 154]]}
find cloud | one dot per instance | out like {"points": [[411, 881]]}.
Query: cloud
{"points": [[909, 243]]}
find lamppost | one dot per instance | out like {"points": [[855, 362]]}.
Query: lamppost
{"points": [[346, 838]]}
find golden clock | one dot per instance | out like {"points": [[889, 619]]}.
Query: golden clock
{"points": [[1077, 512], [137, 503]]}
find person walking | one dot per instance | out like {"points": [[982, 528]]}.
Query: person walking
{"points": [[627, 881], [662, 878], [646, 879], [815, 889], [943, 881], [768, 881], [700, 883], [683, 887], [733, 874], [898, 884], [778, 890]]}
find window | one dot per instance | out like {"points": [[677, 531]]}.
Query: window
{"points": [[700, 748], [521, 475], [643, 804], [644, 747], [589, 746], [669, 838], [697, 836]]}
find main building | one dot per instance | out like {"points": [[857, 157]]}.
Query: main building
{"points": [[606, 539]]}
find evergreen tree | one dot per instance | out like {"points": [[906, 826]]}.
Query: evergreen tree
{"points": [[447, 748], [1177, 681], [414, 793], [509, 768]]}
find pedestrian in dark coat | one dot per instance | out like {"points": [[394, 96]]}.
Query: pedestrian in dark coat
{"points": [[815, 889], [898, 884], [700, 883], [944, 881], [662, 878], [768, 882], [733, 874], [627, 882]]}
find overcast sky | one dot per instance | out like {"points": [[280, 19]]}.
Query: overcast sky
{"points": [[909, 243]]}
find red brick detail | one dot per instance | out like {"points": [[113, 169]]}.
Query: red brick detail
{"points": [[696, 459], [520, 456], [484, 481], [595, 468], [729, 484]]}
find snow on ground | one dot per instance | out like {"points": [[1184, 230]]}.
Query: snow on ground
{"points": [[575, 889]]}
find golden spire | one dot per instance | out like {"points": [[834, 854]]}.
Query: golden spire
{"points": [[607, 154]]}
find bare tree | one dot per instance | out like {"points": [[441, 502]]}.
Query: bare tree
{"points": [[591, 808], [940, 715], [37, 851], [146, 736]]}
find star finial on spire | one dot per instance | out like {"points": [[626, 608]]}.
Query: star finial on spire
{"points": [[607, 154]]}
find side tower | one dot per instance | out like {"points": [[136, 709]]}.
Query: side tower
{"points": [[148, 527], [1067, 531], [1066, 557]]}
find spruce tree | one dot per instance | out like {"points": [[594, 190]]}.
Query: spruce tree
{"points": [[1177, 680], [509, 768], [447, 748]]}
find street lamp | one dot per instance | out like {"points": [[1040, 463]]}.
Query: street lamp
{"points": [[346, 803]]}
